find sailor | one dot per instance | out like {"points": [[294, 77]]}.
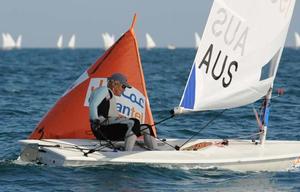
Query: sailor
{"points": [[107, 123]]}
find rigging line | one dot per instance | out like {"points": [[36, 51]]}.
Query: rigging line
{"points": [[155, 123], [64, 147], [110, 143], [202, 128], [99, 148], [67, 144], [244, 136], [72, 146], [247, 136], [113, 143], [163, 120]]}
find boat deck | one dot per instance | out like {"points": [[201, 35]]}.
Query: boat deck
{"points": [[237, 155]]}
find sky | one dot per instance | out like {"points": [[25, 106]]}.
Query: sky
{"points": [[168, 21]]}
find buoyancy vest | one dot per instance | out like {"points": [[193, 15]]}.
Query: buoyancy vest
{"points": [[102, 103]]}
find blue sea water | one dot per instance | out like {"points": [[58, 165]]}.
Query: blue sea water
{"points": [[31, 80]]}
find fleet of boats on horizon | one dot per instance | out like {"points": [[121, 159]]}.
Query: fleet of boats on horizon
{"points": [[108, 40], [9, 43]]}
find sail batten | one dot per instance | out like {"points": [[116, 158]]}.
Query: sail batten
{"points": [[237, 60]]}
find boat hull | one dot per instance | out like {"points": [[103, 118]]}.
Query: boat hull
{"points": [[238, 155]]}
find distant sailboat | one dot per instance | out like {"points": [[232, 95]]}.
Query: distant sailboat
{"points": [[8, 41], [4, 41], [171, 47], [197, 40], [149, 42], [71, 44], [297, 40], [19, 42], [108, 40], [59, 43]]}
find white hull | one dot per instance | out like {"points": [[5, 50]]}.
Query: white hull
{"points": [[238, 155]]}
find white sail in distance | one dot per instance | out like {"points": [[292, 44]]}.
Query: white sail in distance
{"points": [[150, 42], [19, 42], [108, 40], [5, 42], [297, 40], [197, 40], [71, 43], [8, 41], [171, 46], [59, 43], [240, 50]]}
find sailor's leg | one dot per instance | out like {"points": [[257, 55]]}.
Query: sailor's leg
{"points": [[130, 137], [133, 130], [130, 140], [149, 141]]}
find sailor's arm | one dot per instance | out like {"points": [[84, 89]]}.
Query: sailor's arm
{"points": [[97, 96]]}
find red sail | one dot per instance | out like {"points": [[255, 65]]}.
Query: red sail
{"points": [[69, 118]]}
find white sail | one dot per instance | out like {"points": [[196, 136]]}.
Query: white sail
{"points": [[19, 42], [108, 40], [4, 41], [171, 47], [71, 43], [197, 40], [149, 42], [297, 40], [8, 41], [59, 43], [237, 60]]}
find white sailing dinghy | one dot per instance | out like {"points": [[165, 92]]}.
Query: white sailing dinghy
{"points": [[59, 43], [108, 40], [150, 44], [8, 42], [171, 46], [197, 40], [72, 42], [232, 33], [19, 42]]}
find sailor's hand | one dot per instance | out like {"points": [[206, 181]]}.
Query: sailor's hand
{"points": [[120, 117], [101, 119]]}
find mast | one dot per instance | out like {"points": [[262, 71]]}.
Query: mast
{"points": [[265, 117]]}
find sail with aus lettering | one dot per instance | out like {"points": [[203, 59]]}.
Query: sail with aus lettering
{"points": [[236, 62]]}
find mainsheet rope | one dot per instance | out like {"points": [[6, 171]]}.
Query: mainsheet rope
{"points": [[112, 144], [201, 129]]}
